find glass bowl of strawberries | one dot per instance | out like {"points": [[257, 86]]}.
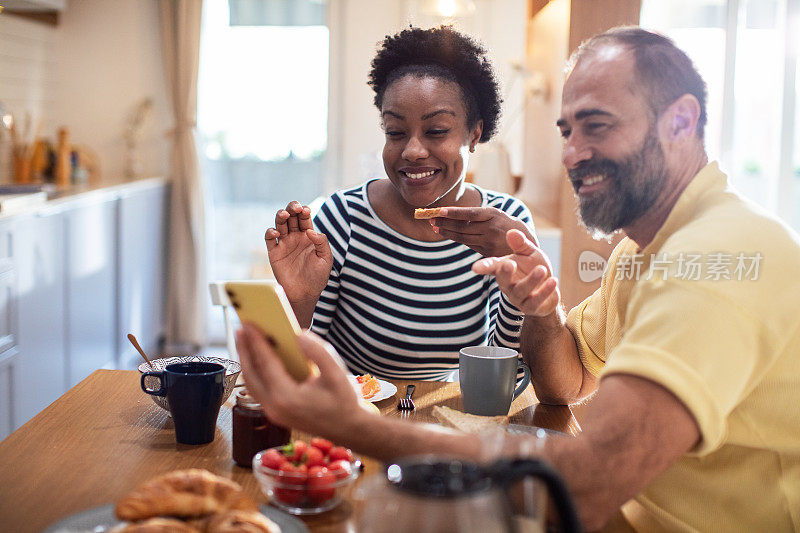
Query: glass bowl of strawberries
{"points": [[306, 478]]}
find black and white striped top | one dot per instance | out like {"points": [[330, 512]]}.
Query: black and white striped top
{"points": [[402, 308]]}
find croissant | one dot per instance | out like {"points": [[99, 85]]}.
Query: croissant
{"points": [[183, 493], [160, 525], [241, 522]]}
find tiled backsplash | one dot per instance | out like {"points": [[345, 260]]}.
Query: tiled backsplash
{"points": [[27, 76]]}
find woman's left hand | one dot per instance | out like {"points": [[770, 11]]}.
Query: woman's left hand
{"points": [[481, 228]]}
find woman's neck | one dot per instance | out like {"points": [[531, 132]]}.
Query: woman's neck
{"points": [[396, 213]]}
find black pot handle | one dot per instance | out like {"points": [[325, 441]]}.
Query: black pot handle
{"points": [[505, 473]]}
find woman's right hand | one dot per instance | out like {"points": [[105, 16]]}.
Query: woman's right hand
{"points": [[301, 258]]}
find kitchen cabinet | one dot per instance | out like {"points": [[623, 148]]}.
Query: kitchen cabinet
{"points": [[90, 271], [40, 305], [6, 251], [76, 275], [7, 309], [7, 289], [141, 259], [8, 369], [8, 327], [44, 11], [36, 5]]}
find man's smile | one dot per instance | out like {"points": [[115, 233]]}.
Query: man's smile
{"points": [[588, 184]]}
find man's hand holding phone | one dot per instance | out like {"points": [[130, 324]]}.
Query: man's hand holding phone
{"points": [[264, 304]]}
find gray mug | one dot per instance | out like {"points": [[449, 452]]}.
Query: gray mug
{"points": [[487, 375]]}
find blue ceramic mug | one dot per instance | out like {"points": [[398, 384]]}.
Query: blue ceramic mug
{"points": [[194, 393]]}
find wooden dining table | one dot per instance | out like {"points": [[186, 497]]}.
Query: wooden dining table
{"points": [[104, 437]]}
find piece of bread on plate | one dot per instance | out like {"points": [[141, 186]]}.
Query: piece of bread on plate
{"points": [[466, 422], [160, 524], [184, 494], [431, 212], [241, 522]]}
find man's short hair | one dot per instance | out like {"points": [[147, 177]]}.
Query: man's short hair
{"points": [[664, 71]]}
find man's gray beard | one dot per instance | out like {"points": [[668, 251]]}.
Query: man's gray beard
{"points": [[639, 181], [594, 228]]}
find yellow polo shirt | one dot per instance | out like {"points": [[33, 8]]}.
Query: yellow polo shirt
{"points": [[710, 310]]}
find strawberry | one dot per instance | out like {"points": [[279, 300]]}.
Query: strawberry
{"points": [[323, 445], [320, 484], [272, 459], [314, 457], [290, 483], [300, 448], [289, 474], [294, 451], [340, 452], [289, 496], [340, 468]]}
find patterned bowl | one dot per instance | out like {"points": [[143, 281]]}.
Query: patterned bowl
{"points": [[232, 370]]}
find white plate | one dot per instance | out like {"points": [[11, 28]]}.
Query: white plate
{"points": [[387, 389], [520, 429], [102, 519]]}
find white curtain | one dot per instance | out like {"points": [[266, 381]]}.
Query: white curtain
{"points": [[187, 292]]}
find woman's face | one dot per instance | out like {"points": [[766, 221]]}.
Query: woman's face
{"points": [[427, 140]]}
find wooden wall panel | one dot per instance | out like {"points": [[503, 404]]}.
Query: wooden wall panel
{"points": [[534, 6], [590, 17], [587, 18], [546, 51]]}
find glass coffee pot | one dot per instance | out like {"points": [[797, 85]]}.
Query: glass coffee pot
{"points": [[432, 494]]}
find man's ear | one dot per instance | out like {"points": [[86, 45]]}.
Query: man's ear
{"points": [[680, 118]]}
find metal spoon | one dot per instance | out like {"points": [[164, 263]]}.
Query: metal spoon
{"points": [[139, 348]]}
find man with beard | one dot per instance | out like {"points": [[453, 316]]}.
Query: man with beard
{"points": [[690, 347]]}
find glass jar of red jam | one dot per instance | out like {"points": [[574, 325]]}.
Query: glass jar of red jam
{"points": [[252, 430]]}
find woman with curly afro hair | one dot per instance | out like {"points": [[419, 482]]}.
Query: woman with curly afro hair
{"points": [[395, 294]]}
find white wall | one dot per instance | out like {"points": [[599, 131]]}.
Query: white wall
{"points": [[104, 57], [88, 73], [357, 26], [108, 58]]}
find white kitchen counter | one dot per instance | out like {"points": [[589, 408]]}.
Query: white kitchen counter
{"points": [[77, 273], [87, 192]]}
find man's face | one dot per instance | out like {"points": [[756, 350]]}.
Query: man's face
{"points": [[611, 150]]}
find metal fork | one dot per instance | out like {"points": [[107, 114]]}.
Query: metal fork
{"points": [[407, 404]]}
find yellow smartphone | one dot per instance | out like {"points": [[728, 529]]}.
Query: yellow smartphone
{"points": [[264, 303]]}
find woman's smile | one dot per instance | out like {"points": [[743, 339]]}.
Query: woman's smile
{"points": [[419, 176]]}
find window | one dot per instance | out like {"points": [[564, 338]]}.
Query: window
{"points": [[262, 124], [747, 52]]}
